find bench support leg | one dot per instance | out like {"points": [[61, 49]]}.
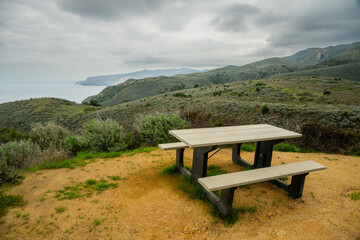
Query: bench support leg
{"points": [[226, 201], [236, 158], [199, 165], [180, 162], [263, 153], [297, 185]]}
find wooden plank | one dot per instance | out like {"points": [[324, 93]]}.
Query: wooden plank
{"points": [[177, 145], [200, 137], [236, 179]]}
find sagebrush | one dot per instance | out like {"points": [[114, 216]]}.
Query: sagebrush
{"points": [[154, 129], [16, 155], [106, 135]]}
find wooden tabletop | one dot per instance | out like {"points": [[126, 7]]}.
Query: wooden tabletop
{"points": [[201, 137]]}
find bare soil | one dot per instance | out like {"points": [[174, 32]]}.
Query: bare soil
{"points": [[149, 205]]}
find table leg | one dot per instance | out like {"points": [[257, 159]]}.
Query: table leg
{"points": [[236, 158], [263, 153], [199, 165]]}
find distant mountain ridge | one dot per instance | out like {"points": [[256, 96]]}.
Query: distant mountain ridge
{"points": [[110, 80], [341, 61]]}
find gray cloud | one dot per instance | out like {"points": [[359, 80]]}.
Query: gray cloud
{"points": [[269, 18], [233, 18], [145, 60], [109, 9], [74, 39], [336, 22]]}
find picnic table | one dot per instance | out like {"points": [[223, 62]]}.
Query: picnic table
{"points": [[205, 140]]}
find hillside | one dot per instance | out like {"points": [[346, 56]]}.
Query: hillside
{"points": [[24, 114], [132, 90], [341, 61], [109, 80], [316, 55], [326, 110]]}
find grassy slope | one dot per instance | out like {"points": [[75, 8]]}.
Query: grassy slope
{"points": [[23, 114], [296, 95], [132, 90], [342, 61], [293, 102]]}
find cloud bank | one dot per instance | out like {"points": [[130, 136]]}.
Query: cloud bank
{"points": [[73, 39]]}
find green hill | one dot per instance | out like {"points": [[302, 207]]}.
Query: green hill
{"points": [[24, 114], [340, 61], [325, 110], [136, 89], [316, 55]]}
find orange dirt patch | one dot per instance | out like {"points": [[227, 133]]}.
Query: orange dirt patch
{"points": [[150, 206]]}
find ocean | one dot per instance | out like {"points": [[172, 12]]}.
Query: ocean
{"points": [[14, 91]]}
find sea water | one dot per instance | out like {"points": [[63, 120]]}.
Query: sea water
{"points": [[14, 91]]}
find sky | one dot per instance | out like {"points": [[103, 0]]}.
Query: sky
{"points": [[57, 40]]}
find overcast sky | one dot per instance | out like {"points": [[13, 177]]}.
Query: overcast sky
{"points": [[73, 39]]}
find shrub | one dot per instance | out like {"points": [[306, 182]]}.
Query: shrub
{"points": [[75, 144], [179, 95], [154, 129], [11, 134], [94, 103], [217, 93], [264, 109], [14, 156], [106, 135], [49, 135]]}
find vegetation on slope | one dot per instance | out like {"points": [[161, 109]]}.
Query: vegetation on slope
{"points": [[342, 61], [322, 107]]}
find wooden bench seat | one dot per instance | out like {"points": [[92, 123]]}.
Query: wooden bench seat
{"points": [[227, 183], [169, 146]]}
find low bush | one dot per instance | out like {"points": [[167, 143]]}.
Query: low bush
{"points": [[154, 129], [49, 135], [75, 144], [330, 140], [11, 134], [106, 135], [264, 109], [16, 155]]}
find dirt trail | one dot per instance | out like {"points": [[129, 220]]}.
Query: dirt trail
{"points": [[150, 206]]}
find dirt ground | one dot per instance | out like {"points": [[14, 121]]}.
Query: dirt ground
{"points": [[148, 205]]}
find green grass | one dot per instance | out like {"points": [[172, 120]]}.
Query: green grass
{"points": [[354, 196], [97, 222], [9, 200], [284, 147], [281, 147], [170, 170], [82, 159], [81, 190], [247, 147], [60, 209], [115, 178], [213, 170]]}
